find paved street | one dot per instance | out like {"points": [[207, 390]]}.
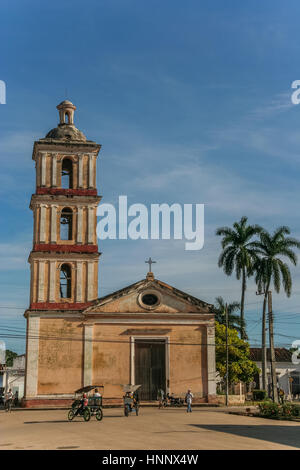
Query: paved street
{"points": [[152, 429]]}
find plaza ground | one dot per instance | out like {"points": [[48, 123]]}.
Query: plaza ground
{"points": [[211, 428]]}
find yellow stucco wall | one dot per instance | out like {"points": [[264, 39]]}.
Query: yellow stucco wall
{"points": [[187, 363], [60, 356]]}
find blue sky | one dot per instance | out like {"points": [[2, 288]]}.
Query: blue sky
{"points": [[191, 102]]}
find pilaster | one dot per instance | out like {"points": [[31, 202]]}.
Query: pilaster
{"points": [[88, 355]]}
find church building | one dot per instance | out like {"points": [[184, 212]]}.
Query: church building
{"points": [[147, 333]]}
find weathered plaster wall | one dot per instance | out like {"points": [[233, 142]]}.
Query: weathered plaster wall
{"points": [[111, 358], [60, 356], [187, 363], [129, 303]]}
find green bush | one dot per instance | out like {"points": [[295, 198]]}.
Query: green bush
{"points": [[269, 409], [259, 395], [296, 411], [286, 410]]}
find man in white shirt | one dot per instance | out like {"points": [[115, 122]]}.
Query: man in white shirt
{"points": [[8, 400], [188, 399]]}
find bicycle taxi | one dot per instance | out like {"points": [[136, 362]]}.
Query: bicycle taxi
{"points": [[87, 403], [131, 399]]}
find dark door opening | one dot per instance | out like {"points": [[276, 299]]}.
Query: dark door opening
{"points": [[150, 367]]}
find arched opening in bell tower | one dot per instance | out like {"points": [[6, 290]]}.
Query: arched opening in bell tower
{"points": [[65, 280], [66, 224], [67, 174]]}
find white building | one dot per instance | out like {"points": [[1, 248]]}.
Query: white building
{"points": [[13, 377], [288, 374]]}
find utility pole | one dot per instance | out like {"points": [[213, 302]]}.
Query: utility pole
{"points": [[264, 348], [272, 350], [227, 363], [263, 344]]}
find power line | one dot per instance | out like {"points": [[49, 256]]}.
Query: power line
{"points": [[79, 338]]}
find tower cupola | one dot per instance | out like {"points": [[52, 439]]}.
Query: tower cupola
{"points": [[66, 112], [66, 129]]}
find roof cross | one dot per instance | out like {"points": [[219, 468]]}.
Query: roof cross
{"points": [[150, 262]]}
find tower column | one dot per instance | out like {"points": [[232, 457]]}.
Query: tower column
{"points": [[90, 280], [54, 170], [91, 170], [52, 282], [88, 355], [43, 223], [80, 170], [91, 222], [79, 282], [41, 278], [79, 224], [43, 169], [53, 224], [32, 355]]}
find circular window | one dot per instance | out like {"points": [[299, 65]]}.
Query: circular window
{"points": [[149, 299]]}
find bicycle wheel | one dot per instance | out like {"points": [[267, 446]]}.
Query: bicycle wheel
{"points": [[99, 415], [137, 410], [126, 412], [86, 414], [71, 415]]}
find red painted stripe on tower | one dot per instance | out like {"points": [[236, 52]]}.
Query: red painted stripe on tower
{"points": [[67, 192], [65, 248], [59, 306]]}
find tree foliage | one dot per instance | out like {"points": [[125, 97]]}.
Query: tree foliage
{"points": [[241, 368], [9, 356], [234, 321], [238, 255], [271, 249]]}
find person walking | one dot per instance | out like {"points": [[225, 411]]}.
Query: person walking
{"points": [[188, 399], [281, 396], [160, 398], [8, 400]]}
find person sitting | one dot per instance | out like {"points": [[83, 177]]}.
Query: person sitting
{"points": [[97, 394], [128, 399], [83, 404], [136, 398]]}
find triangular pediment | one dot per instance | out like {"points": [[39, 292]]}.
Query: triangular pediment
{"points": [[149, 295]]}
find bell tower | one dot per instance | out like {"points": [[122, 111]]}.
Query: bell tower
{"points": [[64, 256]]}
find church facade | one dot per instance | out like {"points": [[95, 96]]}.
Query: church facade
{"points": [[148, 333]]}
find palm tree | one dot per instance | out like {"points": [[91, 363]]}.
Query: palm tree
{"points": [[271, 268], [261, 281], [238, 255], [234, 321]]}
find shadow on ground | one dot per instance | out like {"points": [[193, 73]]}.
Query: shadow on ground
{"points": [[78, 420], [284, 435]]}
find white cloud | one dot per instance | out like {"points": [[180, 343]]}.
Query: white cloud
{"points": [[280, 103]]}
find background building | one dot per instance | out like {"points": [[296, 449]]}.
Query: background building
{"points": [[288, 374]]}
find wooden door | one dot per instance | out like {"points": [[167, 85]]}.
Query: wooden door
{"points": [[150, 367]]}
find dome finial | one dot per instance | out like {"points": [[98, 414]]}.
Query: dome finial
{"points": [[66, 112]]}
